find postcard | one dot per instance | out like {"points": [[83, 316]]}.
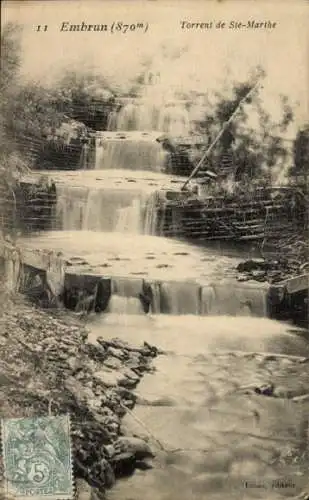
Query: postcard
{"points": [[154, 249]]}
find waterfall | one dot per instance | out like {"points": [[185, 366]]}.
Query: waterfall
{"points": [[70, 208], [208, 299], [151, 215], [180, 298], [125, 296], [129, 151], [170, 118], [155, 306], [120, 201], [130, 218], [228, 299], [124, 305], [91, 209]]}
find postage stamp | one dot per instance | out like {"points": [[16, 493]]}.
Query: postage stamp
{"points": [[37, 461]]}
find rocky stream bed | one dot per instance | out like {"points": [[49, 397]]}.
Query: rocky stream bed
{"points": [[47, 367]]}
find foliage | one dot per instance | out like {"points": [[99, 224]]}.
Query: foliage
{"points": [[10, 57], [11, 163], [25, 108], [255, 148], [301, 153], [31, 111], [10, 61], [84, 96]]}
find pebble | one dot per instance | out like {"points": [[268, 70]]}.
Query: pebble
{"points": [[113, 362], [91, 388], [108, 378], [133, 446], [117, 353]]}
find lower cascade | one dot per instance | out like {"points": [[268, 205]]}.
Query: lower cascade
{"points": [[124, 305], [156, 274]]}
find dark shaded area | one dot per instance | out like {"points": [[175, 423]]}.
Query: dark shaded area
{"points": [[284, 306], [86, 293], [35, 206], [54, 156]]}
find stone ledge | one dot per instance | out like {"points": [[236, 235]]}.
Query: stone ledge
{"points": [[197, 297]]}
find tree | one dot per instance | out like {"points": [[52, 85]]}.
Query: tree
{"points": [[11, 163], [10, 57], [85, 96], [301, 153], [254, 149]]}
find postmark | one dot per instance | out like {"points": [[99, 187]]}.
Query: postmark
{"points": [[37, 460]]}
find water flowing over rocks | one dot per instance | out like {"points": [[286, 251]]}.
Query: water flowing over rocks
{"points": [[288, 276], [48, 367], [231, 417]]}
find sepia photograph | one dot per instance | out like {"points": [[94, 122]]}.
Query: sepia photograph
{"points": [[154, 250]]}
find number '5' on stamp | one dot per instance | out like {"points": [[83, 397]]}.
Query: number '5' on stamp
{"points": [[37, 459]]}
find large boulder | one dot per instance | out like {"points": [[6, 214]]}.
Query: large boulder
{"points": [[131, 448]]}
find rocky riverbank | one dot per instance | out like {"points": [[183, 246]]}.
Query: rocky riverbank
{"points": [[285, 266], [287, 258], [48, 367]]}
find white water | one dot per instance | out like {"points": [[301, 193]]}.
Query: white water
{"points": [[214, 435], [130, 142], [131, 151], [157, 108], [124, 305], [110, 200], [183, 278], [130, 218], [100, 209], [171, 118]]}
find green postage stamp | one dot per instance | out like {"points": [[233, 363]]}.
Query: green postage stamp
{"points": [[36, 454]]}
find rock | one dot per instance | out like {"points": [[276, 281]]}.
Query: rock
{"points": [[5, 380], [74, 363], [117, 353], [134, 357], [128, 383], [259, 275], [77, 389], [250, 265], [112, 362], [265, 389], [130, 374], [109, 378], [86, 492], [163, 401], [90, 390], [83, 489], [243, 277], [128, 403], [131, 447]]}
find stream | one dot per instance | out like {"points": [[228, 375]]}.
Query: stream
{"points": [[218, 409], [210, 430]]}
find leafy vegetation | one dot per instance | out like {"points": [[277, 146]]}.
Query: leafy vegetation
{"points": [[300, 165], [31, 112], [255, 147], [86, 97]]}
